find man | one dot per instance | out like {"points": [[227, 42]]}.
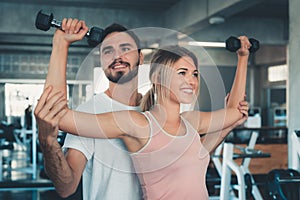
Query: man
{"points": [[104, 165]]}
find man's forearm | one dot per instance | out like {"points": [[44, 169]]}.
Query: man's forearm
{"points": [[58, 169], [56, 75]]}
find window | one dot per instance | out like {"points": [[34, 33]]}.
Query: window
{"points": [[19, 96], [277, 73]]}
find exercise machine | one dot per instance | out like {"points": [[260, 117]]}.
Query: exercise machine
{"points": [[245, 182]]}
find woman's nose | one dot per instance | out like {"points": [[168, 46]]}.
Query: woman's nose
{"points": [[190, 79]]}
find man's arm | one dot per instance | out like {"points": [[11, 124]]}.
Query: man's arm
{"points": [[72, 31], [65, 172]]}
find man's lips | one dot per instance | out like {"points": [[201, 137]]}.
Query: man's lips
{"points": [[119, 65]]}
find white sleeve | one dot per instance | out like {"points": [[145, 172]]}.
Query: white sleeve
{"points": [[82, 144]]}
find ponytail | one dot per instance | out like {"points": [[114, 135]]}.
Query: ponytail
{"points": [[148, 100]]}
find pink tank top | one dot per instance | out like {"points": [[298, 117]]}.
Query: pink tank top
{"points": [[172, 167]]}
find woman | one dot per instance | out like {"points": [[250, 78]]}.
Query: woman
{"points": [[165, 144]]}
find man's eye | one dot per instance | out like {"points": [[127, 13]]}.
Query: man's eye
{"points": [[126, 49], [107, 52]]}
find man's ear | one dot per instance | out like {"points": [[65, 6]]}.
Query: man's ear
{"points": [[141, 58]]}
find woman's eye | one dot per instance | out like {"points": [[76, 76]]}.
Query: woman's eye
{"points": [[181, 73], [196, 75]]}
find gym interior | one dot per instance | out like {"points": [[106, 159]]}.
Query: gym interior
{"points": [[258, 160]]}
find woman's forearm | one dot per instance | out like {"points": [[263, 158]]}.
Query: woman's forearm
{"points": [[238, 89]]}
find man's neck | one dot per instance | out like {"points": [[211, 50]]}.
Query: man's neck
{"points": [[126, 93]]}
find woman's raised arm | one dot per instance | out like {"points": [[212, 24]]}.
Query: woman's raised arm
{"points": [[207, 122]]}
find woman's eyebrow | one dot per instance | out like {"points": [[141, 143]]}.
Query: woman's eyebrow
{"points": [[186, 69], [182, 68]]}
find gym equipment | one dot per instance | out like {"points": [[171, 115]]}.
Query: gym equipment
{"points": [[44, 22], [295, 155], [283, 184], [233, 44], [246, 184]]}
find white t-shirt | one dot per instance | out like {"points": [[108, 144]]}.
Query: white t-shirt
{"points": [[109, 173]]}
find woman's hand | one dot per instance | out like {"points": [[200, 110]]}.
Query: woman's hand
{"points": [[243, 108], [48, 112], [245, 46]]}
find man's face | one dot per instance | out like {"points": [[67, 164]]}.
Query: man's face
{"points": [[119, 57]]}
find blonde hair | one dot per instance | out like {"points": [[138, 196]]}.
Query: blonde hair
{"points": [[160, 67]]}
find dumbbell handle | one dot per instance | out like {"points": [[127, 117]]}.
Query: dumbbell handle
{"points": [[56, 24]]}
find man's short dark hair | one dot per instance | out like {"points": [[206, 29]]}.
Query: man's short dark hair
{"points": [[119, 28]]}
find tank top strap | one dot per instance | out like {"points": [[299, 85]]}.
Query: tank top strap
{"points": [[154, 126], [189, 128]]}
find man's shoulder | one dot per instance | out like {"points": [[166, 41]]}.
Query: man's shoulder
{"points": [[91, 104]]}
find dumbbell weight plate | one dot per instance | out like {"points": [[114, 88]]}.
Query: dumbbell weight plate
{"points": [[254, 45], [43, 21], [233, 44], [95, 36]]}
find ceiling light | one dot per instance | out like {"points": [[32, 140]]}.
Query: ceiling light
{"points": [[216, 20], [207, 44]]}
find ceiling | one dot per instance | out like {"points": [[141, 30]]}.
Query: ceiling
{"points": [[264, 8], [152, 5], [235, 9], [267, 8]]}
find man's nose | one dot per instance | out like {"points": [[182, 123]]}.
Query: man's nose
{"points": [[118, 54]]}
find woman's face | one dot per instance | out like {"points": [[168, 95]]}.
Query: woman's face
{"points": [[184, 81]]}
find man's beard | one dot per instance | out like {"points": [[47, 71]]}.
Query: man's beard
{"points": [[119, 77]]}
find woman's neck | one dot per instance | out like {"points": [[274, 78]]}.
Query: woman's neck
{"points": [[169, 119], [168, 112]]}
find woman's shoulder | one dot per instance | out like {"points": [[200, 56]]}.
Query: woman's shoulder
{"points": [[138, 117], [139, 123], [196, 118], [191, 115]]}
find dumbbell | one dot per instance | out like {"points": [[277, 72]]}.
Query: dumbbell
{"points": [[44, 22], [233, 44]]}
